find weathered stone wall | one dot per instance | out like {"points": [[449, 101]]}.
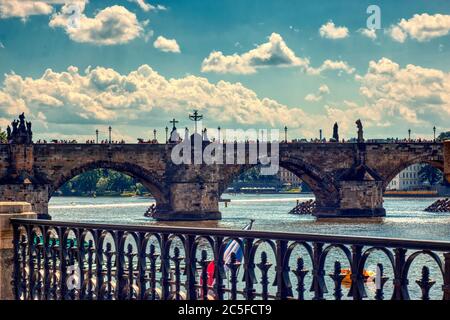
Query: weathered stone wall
{"points": [[36, 195], [361, 198]]}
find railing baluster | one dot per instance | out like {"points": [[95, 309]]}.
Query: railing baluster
{"points": [[99, 262], [219, 272], [425, 283], [165, 268], [357, 290], [190, 263], [400, 284], [318, 283], [23, 254], [55, 291], [31, 265], [109, 294], [131, 294], [177, 261], [204, 262], [300, 272], [47, 266], [249, 270], [233, 266], [90, 271], [264, 266], [282, 270], [120, 260], [153, 256], [142, 260], [337, 279]]}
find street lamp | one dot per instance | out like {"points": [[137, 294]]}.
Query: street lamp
{"points": [[154, 135], [320, 134], [409, 134], [218, 130], [110, 134], [285, 134], [96, 136], [167, 132], [434, 133]]}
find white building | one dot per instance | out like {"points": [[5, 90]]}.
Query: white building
{"points": [[408, 179], [287, 176]]}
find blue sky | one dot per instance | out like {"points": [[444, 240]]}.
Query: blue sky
{"points": [[244, 64]]}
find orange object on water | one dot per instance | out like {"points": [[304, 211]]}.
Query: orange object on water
{"points": [[348, 280]]}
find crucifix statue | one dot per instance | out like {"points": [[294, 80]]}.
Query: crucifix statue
{"points": [[195, 117], [173, 122]]}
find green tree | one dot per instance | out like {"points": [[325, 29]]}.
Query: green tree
{"points": [[443, 136], [3, 136], [430, 174], [86, 182]]}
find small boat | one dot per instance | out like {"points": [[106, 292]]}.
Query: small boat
{"points": [[367, 275]]}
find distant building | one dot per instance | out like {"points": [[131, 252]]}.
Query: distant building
{"points": [[287, 176], [408, 179]]}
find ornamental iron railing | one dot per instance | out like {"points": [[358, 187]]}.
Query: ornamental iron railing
{"points": [[84, 261]]}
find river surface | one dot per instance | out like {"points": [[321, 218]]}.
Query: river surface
{"points": [[405, 219]]}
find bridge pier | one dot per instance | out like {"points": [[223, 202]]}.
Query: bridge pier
{"points": [[360, 196], [189, 202]]}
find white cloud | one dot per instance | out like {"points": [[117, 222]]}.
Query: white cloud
{"points": [[392, 96], [398, 98], [421, 27], [316, 97], [102, 94], [145, 6], [396, 33], [110, 26], [23, 8], [166, 45], [368, 33], [2, 46], [330, 31], [275, 52], [340, 66]]}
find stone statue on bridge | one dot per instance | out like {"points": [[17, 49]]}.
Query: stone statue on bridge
{"points": [[335, 132], [21, 131], [360, 130]]}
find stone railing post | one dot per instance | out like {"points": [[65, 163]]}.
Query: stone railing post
{"points": [[9, 210]]}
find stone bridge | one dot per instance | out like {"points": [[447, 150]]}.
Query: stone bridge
{"points": [[348, 179]]}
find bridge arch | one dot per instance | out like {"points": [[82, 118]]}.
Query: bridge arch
{"points": [[425, 159], [149, 179], [320, 183]]}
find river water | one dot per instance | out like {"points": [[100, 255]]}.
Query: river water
{"points": [[405, 219]]}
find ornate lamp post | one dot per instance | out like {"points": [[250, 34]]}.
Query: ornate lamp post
{"points": [[434, 133], [409, 134], [218, 130], [96, 136], [167, 132], [285, 134], [154, 135], [110, 134], [320, 134]]}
